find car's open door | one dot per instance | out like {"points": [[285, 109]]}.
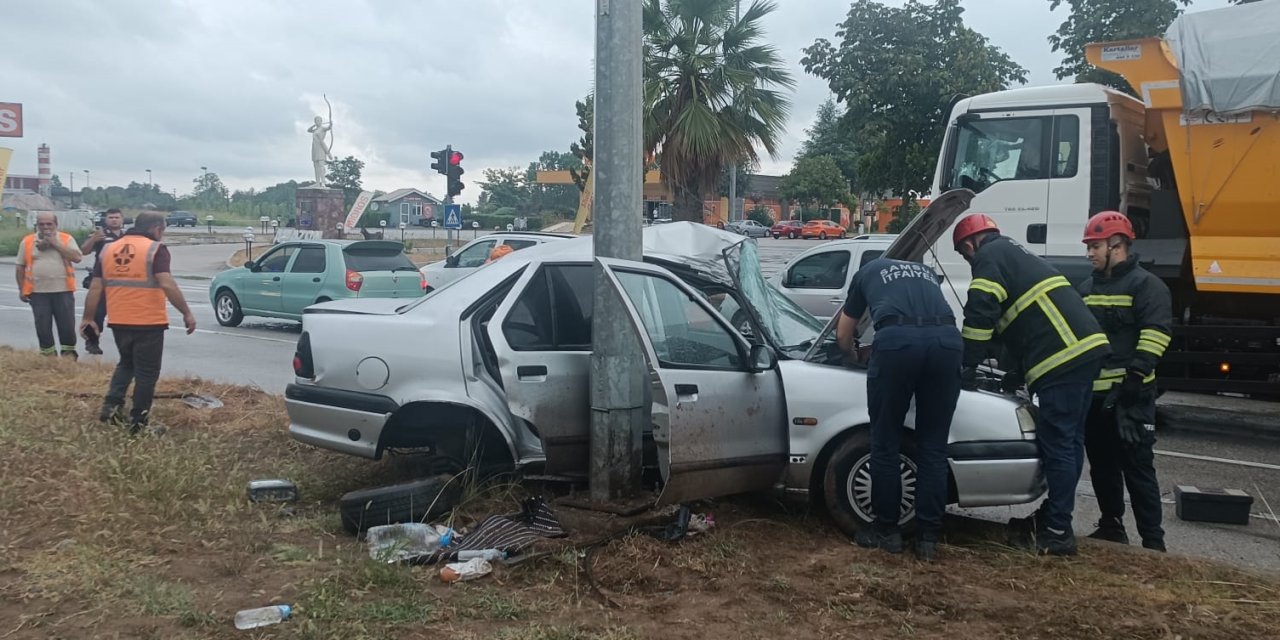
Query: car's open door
{"points": [[718, 411]]}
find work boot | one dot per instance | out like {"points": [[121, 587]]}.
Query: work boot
{"points": [[1056, 543], [926, 547], [70, 352], [91, 347], [1023, 532], [879, 537], [112, 414], [1111, 530], [142, 423], [1154, 545]]}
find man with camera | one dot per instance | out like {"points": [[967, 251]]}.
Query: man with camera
{"points": [[109, 229], [47, 281]]}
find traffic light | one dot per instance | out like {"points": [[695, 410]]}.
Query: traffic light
{"points": [[442, 158], [455, 172]]}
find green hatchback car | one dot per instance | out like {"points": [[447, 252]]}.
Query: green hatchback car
{"points": [[292, 276]]}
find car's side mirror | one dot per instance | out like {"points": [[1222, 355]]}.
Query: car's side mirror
{"points": [[251, 265], [763, 358], [451, 261]]}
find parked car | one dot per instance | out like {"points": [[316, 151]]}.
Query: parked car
{"points": [[788, 228], [818, 279], [181, 219], [822, 229], [749, 228], [747, 391], [292, 276], [473, 255]]}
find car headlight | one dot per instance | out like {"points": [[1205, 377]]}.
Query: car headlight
{"points": [[1026, 418]]}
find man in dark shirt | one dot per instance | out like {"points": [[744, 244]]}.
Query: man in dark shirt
{"points": [[112, 228], [916, 353]]}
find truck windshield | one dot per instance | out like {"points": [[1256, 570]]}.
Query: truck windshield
{"points": [[992, 150]]}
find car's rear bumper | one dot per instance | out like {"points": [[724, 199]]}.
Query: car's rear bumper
{"points": [[349, 422], [993, 473]]}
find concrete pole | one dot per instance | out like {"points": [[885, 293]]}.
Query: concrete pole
{"points": [[617, 367]]}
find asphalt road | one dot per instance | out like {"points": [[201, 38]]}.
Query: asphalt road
{"points": [[259, 352]]}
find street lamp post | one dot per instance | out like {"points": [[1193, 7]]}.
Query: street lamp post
{"points": [[86, 178], [402, 226], [148, 179], [475, 229], [208, 220], [248, 243], [434, 224]]}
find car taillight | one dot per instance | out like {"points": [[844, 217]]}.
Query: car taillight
{"points": [[425, 286], [354, 280], [303, 367]]}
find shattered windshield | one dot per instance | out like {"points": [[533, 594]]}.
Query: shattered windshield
{"points": [[787, 325]]}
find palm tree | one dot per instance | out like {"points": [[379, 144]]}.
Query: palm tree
{"points": [[711, 94]]}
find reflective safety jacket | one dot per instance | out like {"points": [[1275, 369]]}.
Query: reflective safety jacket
{"points": [[27, 253], [134, 295], [1135, 309], [1039, 317]]}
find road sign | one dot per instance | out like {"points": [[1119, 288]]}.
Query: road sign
{"points": [[453, 216], [10, 120]]}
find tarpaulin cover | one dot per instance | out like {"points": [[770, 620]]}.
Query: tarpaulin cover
{"points": [[1229, 58]]}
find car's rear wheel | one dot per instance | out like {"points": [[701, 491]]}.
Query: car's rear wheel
{"points": [[822, 235], [777, 235], [846, 483], [227, 309], [843, 235]]}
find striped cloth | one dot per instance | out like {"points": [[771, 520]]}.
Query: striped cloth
{"points": [[511, 533]]}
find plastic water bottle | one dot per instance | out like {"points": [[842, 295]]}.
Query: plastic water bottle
{"points": [[263, 616], [492, 555]]}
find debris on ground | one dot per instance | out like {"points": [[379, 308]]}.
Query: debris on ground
{"points": [[407, 542], [273, 490], [201, 401], [463, 571]]}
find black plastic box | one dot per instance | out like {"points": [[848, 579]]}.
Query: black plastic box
{"points": [[1225, 506]]}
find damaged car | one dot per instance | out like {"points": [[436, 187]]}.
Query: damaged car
{"points": [[746, 391]]}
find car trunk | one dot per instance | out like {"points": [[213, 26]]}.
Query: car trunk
{"points": [[384, 270]]}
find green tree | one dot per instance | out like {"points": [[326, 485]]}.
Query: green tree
{"points": [[1092, 21], [827, 138], [504, 188], [896, 70], [711, 94], [345, 174], [761, 215], [209, 192], [585, 148], [815, 183], [560, 198], [903, 216]]}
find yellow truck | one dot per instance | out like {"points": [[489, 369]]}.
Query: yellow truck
{"points": [[1194, 162]]}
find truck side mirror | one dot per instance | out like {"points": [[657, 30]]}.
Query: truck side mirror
{"points": [[1037, 233]]}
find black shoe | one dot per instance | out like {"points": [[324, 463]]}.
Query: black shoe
{"points": [[1110, 530], [926, 548], [874, 537], [92, 348], [112, 413], [1056, 543], [1023, 532], [1154, 545]]}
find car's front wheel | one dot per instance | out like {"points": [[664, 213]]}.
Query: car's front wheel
{"points": [[792, 235], [846, 483], [822, 235], [227, 309], [777, 235]]}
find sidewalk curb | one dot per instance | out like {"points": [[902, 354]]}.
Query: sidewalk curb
{"points": [[1191, 418]]}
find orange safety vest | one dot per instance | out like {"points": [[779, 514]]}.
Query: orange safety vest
{"points": [[134, 295], [28, 253]]}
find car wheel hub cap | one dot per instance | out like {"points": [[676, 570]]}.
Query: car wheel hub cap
{"points": [[858, 488], [224, 308]]}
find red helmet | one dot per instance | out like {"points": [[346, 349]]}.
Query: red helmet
{"points": [[971, 225], [1106, 224]]}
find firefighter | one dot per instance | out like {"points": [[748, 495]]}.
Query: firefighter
{"points": [[916, 354], [1057, 349], [1135, 310]]}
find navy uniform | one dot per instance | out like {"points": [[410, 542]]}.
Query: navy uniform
{"points": [[1058, 348], [1136, 311], [916, 353]]}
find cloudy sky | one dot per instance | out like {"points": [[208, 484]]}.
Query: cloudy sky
{"points": [[123, 86]]}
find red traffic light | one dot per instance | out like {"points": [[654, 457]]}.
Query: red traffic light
{"points": [[455, 158]]}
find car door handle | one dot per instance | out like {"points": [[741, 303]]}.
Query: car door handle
{"points": [[276, 279], [531, 373], [315, 279], [689, 391], [836, 301]]}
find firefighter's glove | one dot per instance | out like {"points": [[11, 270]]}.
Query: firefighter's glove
{"points": [[1132, 430], [969, 378], [1131, 389], [1012, 381]]}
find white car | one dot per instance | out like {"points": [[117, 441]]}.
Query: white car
{"points": [[473, 255], [746, 391], [818, 279]]}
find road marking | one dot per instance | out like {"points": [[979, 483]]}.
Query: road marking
{"points": [[178, 327], [1240, 463]]}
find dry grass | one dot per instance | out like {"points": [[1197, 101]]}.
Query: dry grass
{"points": [[106, 535]]}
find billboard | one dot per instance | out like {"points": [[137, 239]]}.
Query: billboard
{"points": [[10, 120]]}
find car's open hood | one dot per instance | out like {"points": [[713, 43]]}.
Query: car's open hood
{"points": [[919, 236]]}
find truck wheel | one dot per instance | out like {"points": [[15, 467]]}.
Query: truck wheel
{"points": [[846, 485], [227, 309], [415, 501]]}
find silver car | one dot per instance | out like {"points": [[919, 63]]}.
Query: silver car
{"points": [[818, 279], [473, 255], [749, 228], [747, 391]]}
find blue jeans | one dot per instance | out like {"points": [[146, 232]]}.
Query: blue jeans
{"points": [[1064, 406], [923, 362]]}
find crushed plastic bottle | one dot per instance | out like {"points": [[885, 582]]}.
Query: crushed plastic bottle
{"points": [[393, 543], [463, 571], [263, 616], [492, 555]]}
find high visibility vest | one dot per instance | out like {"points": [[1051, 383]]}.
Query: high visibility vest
{"points": [[133, 293], [28, 253]]}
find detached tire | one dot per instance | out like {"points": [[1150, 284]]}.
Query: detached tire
{"points": [[409, 502], [846, 484], [226, 308]]}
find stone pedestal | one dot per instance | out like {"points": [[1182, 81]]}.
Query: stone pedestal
{"points": [[320, 209]]}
